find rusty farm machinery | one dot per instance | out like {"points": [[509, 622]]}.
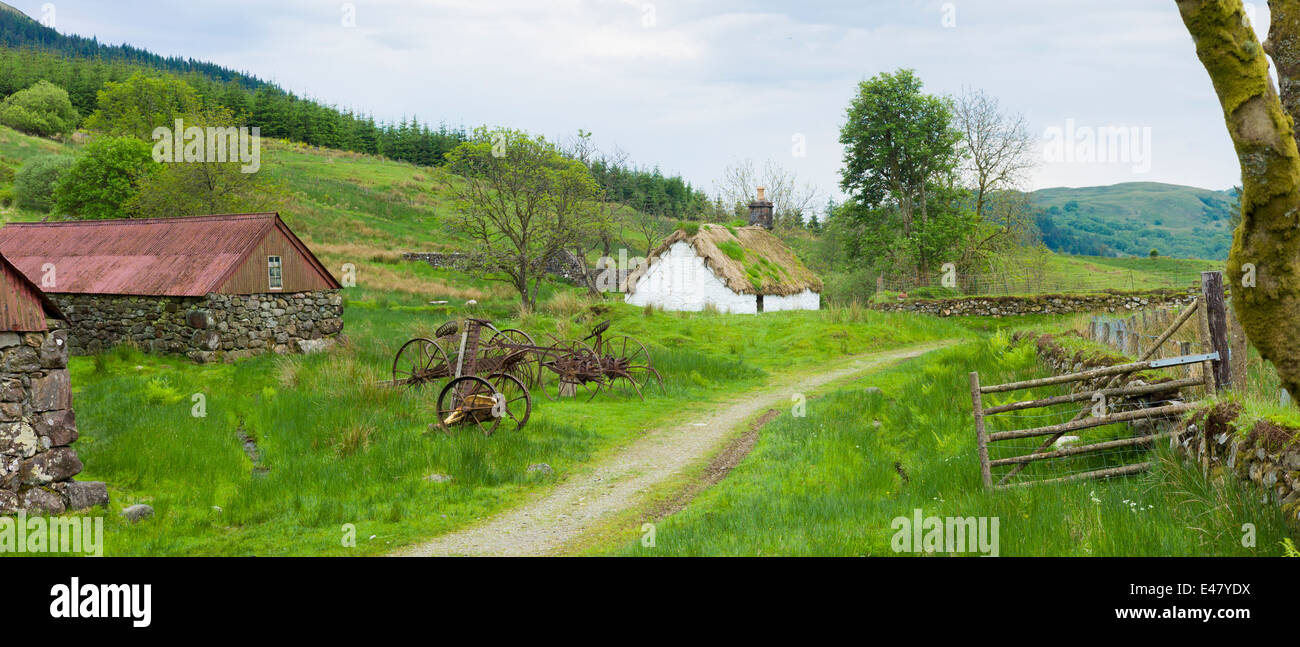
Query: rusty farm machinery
{"points": [[489, 383]]}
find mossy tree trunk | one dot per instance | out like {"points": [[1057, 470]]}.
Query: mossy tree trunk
{"points": [[1262, 126]]}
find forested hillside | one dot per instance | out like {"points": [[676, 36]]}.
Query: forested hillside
{"points": [[1134, 218], [31, 52]]}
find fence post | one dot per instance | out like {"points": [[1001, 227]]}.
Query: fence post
{"points": [[981, 436], [880, 284], [1217, 322]]}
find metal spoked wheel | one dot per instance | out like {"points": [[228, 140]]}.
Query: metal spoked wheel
{"points": [[523, 364], [484, 404], [570, 370], [628, 367], [419, 362]]}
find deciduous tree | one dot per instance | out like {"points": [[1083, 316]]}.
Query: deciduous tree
{"points": [[522, 202], [1262, 125]]}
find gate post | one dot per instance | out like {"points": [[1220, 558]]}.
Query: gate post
{"points": [[981, 436], [1217, 321]]}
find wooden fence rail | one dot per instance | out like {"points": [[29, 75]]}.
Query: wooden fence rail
{"points": [[1214, 364]]}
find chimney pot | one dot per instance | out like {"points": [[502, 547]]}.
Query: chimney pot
{"points": [[761, 190]]}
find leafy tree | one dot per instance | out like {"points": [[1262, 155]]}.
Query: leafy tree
{"points": [[899, 144], [198, 188], [43, 110], [104, 178], [141, 103], [522, 203], [34, 184]]}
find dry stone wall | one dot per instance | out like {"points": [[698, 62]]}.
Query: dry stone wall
{"points": [[38, 428], [214, 327], [1114, 302]]}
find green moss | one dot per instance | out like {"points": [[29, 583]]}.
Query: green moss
{"points": [[733, 250]]}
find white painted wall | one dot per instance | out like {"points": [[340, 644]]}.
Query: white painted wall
{"points": [[679, 280], [806, 300]]}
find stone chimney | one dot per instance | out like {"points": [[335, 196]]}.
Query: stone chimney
{"points": [[760, 211]]}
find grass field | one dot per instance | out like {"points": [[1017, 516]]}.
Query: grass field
{"points": [[333, 447], [835, 481]]}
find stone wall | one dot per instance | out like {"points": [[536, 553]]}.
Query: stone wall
{"points": [[214, 327], [1042, 304], [1258, 451], [37, 427]]}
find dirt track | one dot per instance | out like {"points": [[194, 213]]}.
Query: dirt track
{"points": [[544, 525]]}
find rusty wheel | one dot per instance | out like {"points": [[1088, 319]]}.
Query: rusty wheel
{"points": [[570, 369], [484, 404], [627, 364], [419, 362], [523, 363]]}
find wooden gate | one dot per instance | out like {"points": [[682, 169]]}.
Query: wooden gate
{"points": [[1214, 374]]}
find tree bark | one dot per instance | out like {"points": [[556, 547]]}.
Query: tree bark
{"points": [[1265, 139]]}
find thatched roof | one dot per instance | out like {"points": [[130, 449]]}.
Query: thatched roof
{"points": [[749, 260]]}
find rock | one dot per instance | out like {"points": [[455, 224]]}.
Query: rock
{"points": [[87, 494], [541, 467], [872, 390], [471, 303], [8, 502], [309, 346], [58, 464], [201, 319], [11, 390], [60, 427], [9, 340], [19, 439], [22, 359], [52, 392], [1065, 441], [38, 499], [53, 351], [137, 512], [438, 478]]}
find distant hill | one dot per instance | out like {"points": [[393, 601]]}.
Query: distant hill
{"points": [[1133, 218]]}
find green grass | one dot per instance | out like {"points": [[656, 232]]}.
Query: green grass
{"points": [[334, 447], [826, 484]]}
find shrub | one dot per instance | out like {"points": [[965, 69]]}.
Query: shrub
{"points": [[105, 178], [43, 110], [34, 184]]}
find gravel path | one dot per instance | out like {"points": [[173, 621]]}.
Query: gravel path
{"points": [[544, 525]]}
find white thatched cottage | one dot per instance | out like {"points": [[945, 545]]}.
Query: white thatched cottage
{"points": [[741, 270]]}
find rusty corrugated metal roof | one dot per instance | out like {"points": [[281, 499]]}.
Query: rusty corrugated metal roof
{"points": [[23, 307], [157, 257]]}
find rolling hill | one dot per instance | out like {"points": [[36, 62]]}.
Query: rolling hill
{"points": [[1133, 218]]}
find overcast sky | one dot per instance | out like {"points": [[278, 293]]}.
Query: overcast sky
{"points": [[693, 85]]}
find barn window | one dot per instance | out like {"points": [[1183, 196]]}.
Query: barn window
{"points": [[275, 279]]}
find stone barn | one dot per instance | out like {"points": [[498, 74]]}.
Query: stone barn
{"points": [[741, 270], [208, 287], [37, 426]]}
